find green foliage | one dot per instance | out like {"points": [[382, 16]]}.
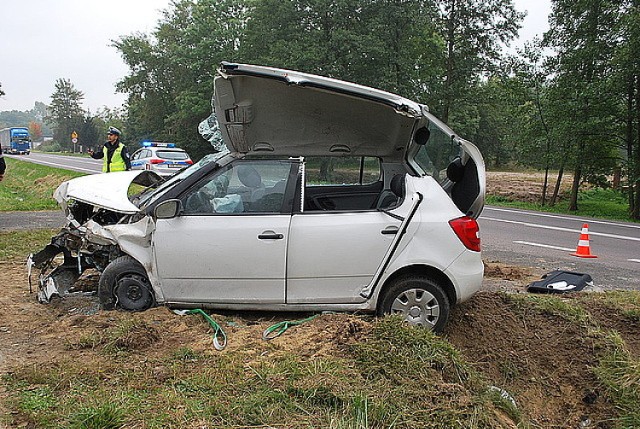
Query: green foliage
{"points": [[401, 47], [65, 111]]}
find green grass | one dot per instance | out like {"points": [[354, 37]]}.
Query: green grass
{"points": [[29, 187], [599, 203], [16, 245], [388, 381]]}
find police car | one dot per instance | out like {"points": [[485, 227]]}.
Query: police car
{"points": [[163, 158]]}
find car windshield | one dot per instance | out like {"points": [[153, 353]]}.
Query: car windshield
{"points": [[172, 154], [153, 194]]}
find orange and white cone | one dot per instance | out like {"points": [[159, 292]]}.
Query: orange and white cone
{"points": [[583, 250]]}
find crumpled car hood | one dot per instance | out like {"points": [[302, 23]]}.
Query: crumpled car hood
{"points": [[107, 191]]}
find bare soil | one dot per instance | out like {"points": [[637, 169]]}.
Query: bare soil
{"points": [[527, 187]]}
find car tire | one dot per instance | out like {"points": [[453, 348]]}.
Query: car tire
{"points": [[420, 300], [124, 284]]}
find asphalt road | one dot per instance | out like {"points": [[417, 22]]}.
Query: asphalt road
{"points": [[547, 241], [514, 237], [83, 164]]}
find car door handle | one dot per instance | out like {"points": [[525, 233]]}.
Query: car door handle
{"points": [[390, 230], [268, 235]]}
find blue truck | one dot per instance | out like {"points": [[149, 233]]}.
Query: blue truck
{"points": [[15, 140]]}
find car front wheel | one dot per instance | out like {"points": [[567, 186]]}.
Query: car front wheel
{"points": [[124, 283], [419, 300]]}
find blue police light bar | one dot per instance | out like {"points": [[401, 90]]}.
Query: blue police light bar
{"points": [[156, 144]]}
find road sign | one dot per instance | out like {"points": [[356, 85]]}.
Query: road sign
{"points": [[74, 140], [74, 136]]}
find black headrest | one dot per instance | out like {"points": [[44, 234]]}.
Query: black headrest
{"points": [[455, 170], [397, 185], [249, 176]]}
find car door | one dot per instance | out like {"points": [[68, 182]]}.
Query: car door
{"points": [[334, 253], [229, 244]]}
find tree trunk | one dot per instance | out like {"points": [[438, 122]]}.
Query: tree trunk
{"points": [[629, 143], [545, 183], [556, 189], [573, 202], [449, 82]]}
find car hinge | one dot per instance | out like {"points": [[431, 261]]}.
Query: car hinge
{"points": [[367, 291]]}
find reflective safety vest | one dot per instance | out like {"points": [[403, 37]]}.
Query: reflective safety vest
{"points": [[117, 163]]}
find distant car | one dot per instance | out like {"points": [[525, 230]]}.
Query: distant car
{"points": [[331, 196], [163, 158]]}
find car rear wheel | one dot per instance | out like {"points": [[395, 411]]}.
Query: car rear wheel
{"points": [[124, 283], [419, 300]]}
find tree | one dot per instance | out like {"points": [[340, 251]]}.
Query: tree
{"points": [[627, 77], [171, 82], [1, 91], [581, 33], [65, 112], [473, 32], [35, 131]]}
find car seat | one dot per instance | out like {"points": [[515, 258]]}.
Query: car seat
{"points": [[252, 180], [393, 196]]}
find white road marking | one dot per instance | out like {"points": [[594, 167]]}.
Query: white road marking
{"points": [[546, 246], [556, 216], [633, 260], [557, 228]]}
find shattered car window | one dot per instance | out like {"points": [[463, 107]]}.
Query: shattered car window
{"points": [[209, 129]]}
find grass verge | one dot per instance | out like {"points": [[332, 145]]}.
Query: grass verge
{"points": [[16, 245], [365, 386], [599, 203], [617, 370], [29, 187]]}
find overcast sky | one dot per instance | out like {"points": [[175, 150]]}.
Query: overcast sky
{"points": [[45, 40]]}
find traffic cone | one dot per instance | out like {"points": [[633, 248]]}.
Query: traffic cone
{"points": [[583, 250]]}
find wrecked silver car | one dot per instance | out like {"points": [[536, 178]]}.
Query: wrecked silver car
{"points": [[323, 195]]}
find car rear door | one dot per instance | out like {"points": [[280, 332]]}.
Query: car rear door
{"points": [[335, 249]]}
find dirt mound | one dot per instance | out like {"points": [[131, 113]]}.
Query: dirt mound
{"points": [[541, 360]]}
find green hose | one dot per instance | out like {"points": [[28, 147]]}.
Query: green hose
{"points": [[279, 328], [217, 330]]}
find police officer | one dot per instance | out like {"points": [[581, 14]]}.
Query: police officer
{"points": [[3, 165], [115, 154]]}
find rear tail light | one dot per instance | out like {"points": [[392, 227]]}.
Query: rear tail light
{"points": [[156, 161], [188, 161], [468, 232]]}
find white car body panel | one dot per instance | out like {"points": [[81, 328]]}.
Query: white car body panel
{"points": [[314, 116]]}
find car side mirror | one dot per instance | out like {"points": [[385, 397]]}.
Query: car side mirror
{"points": [[168, 209]]}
